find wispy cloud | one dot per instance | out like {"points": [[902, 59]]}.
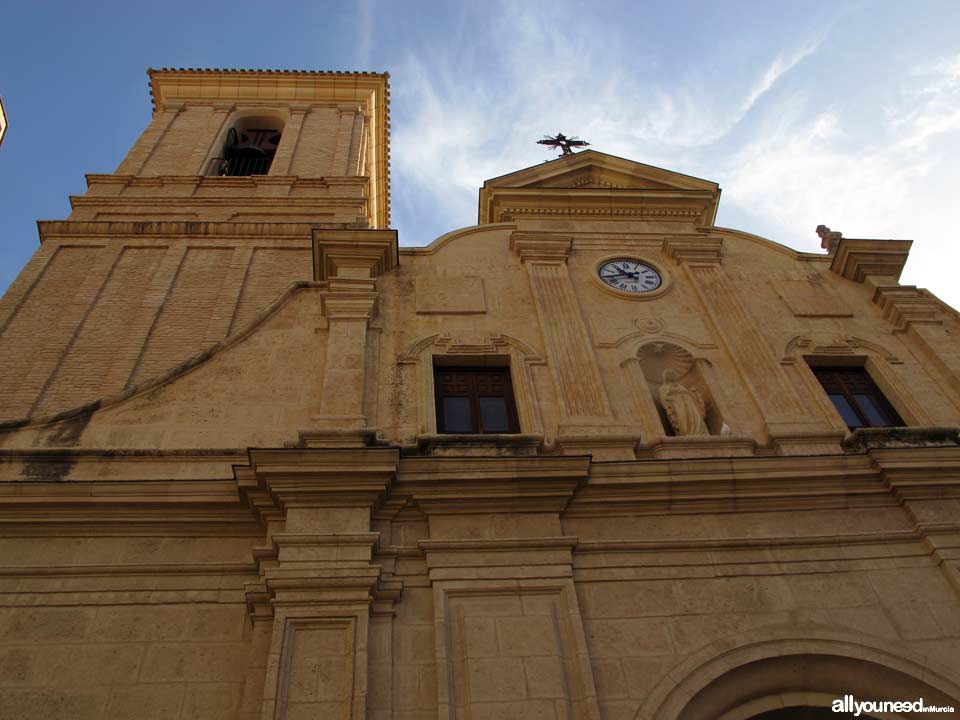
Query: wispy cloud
{"points": [[530, 79], [804, 168]]}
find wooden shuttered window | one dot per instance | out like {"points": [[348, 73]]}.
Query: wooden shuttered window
{"points": [[475, 400], [856, 397]]}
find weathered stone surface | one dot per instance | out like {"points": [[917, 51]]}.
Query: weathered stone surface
{"points": [[224, 493]]}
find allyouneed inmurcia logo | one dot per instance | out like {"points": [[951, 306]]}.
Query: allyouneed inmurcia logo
{"points": [[849, 704]]}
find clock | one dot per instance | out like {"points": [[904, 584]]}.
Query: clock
{"points": [[629, 276]]}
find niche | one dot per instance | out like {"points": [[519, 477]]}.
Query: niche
{"points": [[679, 391]]}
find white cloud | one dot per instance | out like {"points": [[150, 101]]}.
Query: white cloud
{"points": [[800, 171], [529, 79]]}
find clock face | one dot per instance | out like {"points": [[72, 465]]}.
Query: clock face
{"points": [[630, 276]]}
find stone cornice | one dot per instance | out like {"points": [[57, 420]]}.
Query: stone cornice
{"points": [[441, 485], [859, 260], [317, 477], [694, 250], [506, 204], [541, 247], [171, 229], [906, 305], [354, 253]]}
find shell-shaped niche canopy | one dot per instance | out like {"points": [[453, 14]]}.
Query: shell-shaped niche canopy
{"points": [[656, 358]]}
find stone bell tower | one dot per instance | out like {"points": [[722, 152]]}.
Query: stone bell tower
{"points": [[216, 210], [312, 147]]}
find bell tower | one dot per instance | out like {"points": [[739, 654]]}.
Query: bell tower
{"points": [[211, 216], [243, 145]]}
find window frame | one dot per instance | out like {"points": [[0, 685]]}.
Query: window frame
{"points": [[832, 381], [513, 420]]}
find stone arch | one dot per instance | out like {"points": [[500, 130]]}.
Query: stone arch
{"points": [[415, 366], [240, 121], [777, 668]]}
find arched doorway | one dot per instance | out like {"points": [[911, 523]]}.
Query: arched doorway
{"points": [[786, 678], [806, 713]]}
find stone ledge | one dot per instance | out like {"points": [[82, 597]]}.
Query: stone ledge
{"points": [[901, 437], [492, 445]]}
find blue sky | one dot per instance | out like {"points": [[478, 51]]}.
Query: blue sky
{"points": [[846, 114]]}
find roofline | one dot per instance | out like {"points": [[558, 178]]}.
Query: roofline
{"points": [[598, 152]]}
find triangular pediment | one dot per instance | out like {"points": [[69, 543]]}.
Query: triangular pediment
{"points": [[592, 169], [593, 184]]}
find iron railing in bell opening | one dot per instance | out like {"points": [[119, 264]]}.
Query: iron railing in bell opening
{"points": [[239, 166]]}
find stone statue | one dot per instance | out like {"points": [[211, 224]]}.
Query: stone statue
{"points": [[684, 406]]}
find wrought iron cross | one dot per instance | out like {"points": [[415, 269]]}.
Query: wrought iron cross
{"points": [[563, 143]]}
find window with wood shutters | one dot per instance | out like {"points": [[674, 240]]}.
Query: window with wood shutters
{"points": [[475, 400], [856, 397]]}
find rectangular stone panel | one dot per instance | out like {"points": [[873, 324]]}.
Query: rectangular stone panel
{"points": [[808, 299], [518, 651], [450, 295], [316, 675]]}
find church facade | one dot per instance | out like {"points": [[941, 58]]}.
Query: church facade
{"points": [[593, 457]]}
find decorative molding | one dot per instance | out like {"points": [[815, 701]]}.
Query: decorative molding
{"points": [[354, 253], [510, 214], [860, 260], [657, 357], [864, 439], [541, 247], [840, 345], [905, 306], [694, 250], [492, 345], [523, 358]]}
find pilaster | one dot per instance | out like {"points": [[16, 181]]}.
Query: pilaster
{"points": [[318, 582], [202, 151], [49, 354], [921, 466], [508, 627], [585, 408], [289, 140], [138, 157], [219, 324], [131, 346], [349, 261], [701, 257]]}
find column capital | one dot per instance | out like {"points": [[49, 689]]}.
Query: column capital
{"points": [[541, 247], [350, 306], [694, 250], [354, 253]]}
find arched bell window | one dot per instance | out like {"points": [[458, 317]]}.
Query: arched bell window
{"points": [[249, 148]]}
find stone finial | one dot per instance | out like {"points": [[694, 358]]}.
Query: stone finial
{"points": [[828, 238]]}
